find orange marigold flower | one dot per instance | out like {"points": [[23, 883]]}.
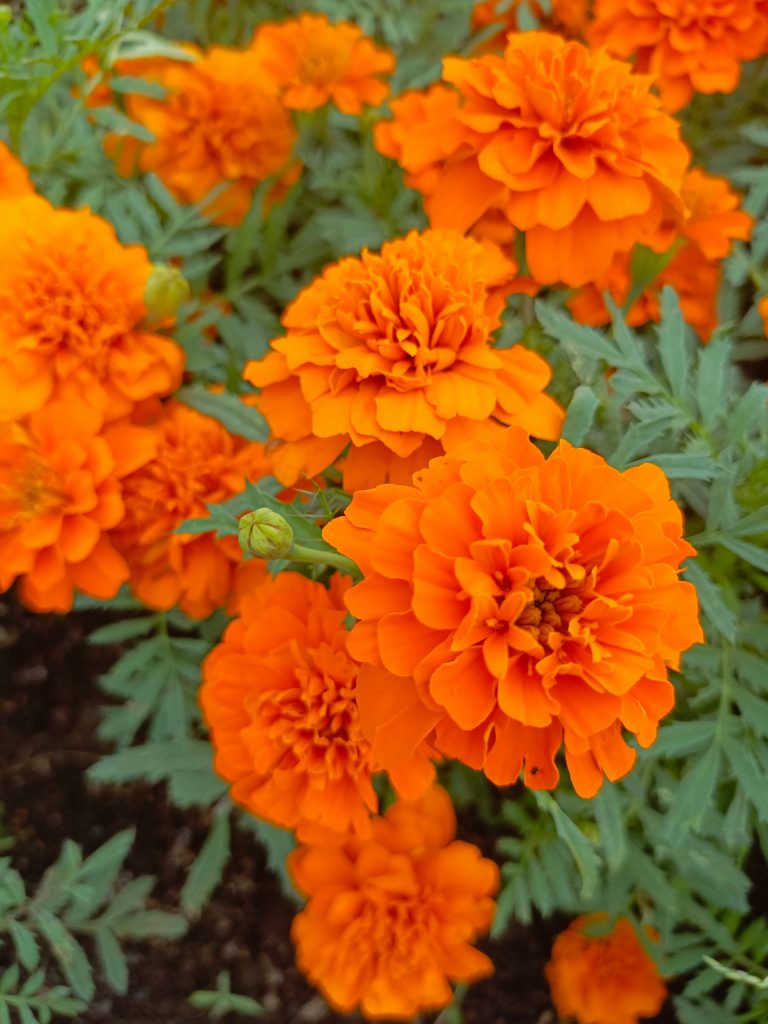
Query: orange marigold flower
{"points": [[14, 177], [603, 979], [60, 495], [221, 122], [197, 463], [71, 315], [279, 697], [569, 144], [712, 221], [314, 62], [523, 602], [569, 17], [393, 352], [390, 920], [688, 46]]}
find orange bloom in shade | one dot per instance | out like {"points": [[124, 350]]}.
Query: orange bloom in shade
{"points": [[569, 17], [60, 495], [390, 919], [569, 144], [605, 979], [279, 698], [762, 308], [197, 463], [712, 221], [393, 352], [221, 123], [314, 62], [14, 178], [72, 315], [522, 603], [688, 46]]}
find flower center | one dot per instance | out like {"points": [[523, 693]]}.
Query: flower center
{"points": [[322, 65], [28, 488], [550, 611]]}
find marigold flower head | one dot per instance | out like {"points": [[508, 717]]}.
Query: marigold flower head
{"points": [[712, 220], [603, 979], [523, 602], [569, 17], [279, 697], [221, 122], [569, 144], [314, 62], [688, 46], [14, 177], [71, 315], [60, 496], [390, 919], [393, 352], [197, 463]]}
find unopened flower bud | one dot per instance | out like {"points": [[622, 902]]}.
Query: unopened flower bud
{"points": [[6, 15], [265, 533], [164, 292]]}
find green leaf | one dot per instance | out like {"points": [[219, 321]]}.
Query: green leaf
{"points": [[583, 852], [753, 709], [229, 410], [206, 872], [39, 13], [693, 796], [673, 347], [25, 944], [682, 466], [126, 629], [583, 339], [748, 552], [719, 615], [581, 415], [712, 381], [748, 773], [112, 961], [150, 924], [69, 954], [610, 825]]}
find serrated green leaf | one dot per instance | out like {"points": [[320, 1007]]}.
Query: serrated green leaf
{"points": [[229, 410], [610, 826], [25, 944], [748, 552], [150, 924], [69, 954], [126, 629], [581, 415], [719, 615], [748, 773], [682, 466], [693, 796], [583, 852], [206, 872], [585, 340], [712, 382], [112, 960], [673, 347]]}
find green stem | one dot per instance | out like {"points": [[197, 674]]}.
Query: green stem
{"points": [[310, 556]]}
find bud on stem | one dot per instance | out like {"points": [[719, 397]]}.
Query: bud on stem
{"points": [[164, 292], [266, 534]]}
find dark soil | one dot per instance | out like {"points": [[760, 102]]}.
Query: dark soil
{"points": [[49, 709]]}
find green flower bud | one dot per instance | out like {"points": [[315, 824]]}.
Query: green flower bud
{"points": [[6, 15], [164, 292], [265, 533]]}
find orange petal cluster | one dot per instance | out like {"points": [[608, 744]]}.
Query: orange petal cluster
{"points": [[603, 979], [61, 494], [568, 145], [197, 463], [391, 918], [687, 46], [569, 17], [314, 62], [392, 352], [72, 315], [712, 221], [221, 123], [279, 695], [523, 603], [14, 178]]}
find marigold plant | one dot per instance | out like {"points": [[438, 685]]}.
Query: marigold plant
{"points": [[314, 62], [569, 144], [603, 978], [390, 920], [279, 695], [72, 315], [529, 601], [61, 494], [393, 352], [688, 47], [197, 462], [222, 123]]}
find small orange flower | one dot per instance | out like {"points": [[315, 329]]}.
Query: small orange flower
{"points": [[221, 123], [523, 602], [569, 17], [688, 46], [605, 979], [314, 62], [569, 144], [60, 495], [390, 920], [197, 463], [712, 221], [279, 697], [393, 352], [14, 177], [762, 308], [71, 315]]}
